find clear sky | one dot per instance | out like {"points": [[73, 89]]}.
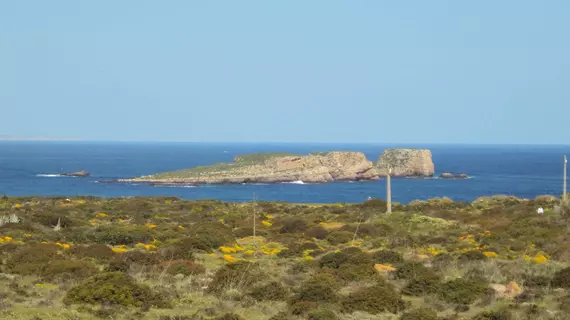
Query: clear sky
{"points": [[299, 71]]}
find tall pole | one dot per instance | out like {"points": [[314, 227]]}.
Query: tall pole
{"points": [[254, 214], [564, 187], [388, 193]]}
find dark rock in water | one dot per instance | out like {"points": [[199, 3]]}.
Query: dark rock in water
{"points": [[446, 175], [76, 174]]}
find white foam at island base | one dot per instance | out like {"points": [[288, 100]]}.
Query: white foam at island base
{"points": [[46, 175], [296, 182]]}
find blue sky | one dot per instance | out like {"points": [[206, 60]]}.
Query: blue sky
{"points": [[296, 71]]}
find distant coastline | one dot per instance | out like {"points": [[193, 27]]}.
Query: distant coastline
{"points": [[14, 138]]}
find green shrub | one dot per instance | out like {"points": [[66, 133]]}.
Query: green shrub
{"points": [[50, 219], [339, 237], [473, 255], [68, 270], [333, 260], [424, 284], [317, 232], [95, 251], [302, 307], [116, 265], [273, 291], [387, 257], [377, 204], [119, 234], [247, 231], [420, 314], [229, 316], [442, 260], [297, 249], [493, 315], [241, 275], [321, 288], [376, 299], [355, 272], [283, 315], [321, 314], [212, 234], [138, 257], [115, 288], [184, 249], [561, 278], [355, 256], [462, 291], [9, 247], [293, 225], [411, 270], [31, 259], [185, 267]]}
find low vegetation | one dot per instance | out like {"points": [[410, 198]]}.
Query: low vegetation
{"points": [[164, 258]]}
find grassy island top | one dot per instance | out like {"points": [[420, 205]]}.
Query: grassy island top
{"points": [[165, 258], [239, 162]]}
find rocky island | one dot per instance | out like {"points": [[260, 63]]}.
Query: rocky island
{"points": [[406, 163], [319, 167], [273, 168]]}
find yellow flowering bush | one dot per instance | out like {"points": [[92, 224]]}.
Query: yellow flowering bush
{"points": [[101, 215], [540, 258], [230, 259], [266, 223], [433, 251], [120, 249], [151, 225], [490, 254], [227, 249], [271, 248], [384, 268], [332, 225]]}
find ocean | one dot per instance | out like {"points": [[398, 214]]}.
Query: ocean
{"points": [[30, 169]]}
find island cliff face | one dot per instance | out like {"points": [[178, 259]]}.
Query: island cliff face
{"points": [[273, 168], [406, 163]]}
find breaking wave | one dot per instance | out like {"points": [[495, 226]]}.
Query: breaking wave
{"points": [[48, 175], [295, 182]]}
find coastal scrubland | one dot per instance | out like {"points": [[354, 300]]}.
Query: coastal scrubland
{"points": [[169, 259]]}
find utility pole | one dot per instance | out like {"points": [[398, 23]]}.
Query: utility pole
{"points": [[254, 214], [564, 186], [388, 193]]}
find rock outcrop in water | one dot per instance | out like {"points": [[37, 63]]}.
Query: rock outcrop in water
{"points": [[406, 163], [273, 168], [76, 174], [448, 175]]}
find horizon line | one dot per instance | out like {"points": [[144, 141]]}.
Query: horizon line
{"points": [[41, 139]]}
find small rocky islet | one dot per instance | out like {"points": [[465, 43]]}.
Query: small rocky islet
{"points": [[318, 167]]}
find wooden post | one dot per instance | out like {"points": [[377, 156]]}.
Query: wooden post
{"points": [[388, 193], [564, 186]]}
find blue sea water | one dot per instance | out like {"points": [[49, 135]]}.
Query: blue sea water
{"points": [[26, 168]]}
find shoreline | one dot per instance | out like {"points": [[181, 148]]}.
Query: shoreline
{"points": [[498, 198]]}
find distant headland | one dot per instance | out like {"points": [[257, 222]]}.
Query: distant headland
{"points": [[16, 138], [318, 167]]}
